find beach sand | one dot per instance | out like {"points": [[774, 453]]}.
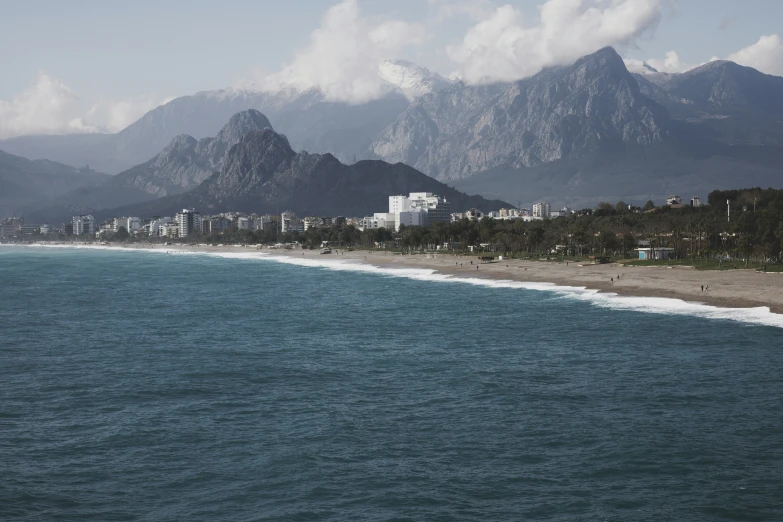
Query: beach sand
{"points": [[729, 288]]}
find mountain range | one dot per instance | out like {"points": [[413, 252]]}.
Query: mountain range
{"points": [[24, 182], [263, 174], [305, 114], [575, 134], [181, 166]]}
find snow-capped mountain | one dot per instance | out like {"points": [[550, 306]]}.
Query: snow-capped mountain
{"points": [[410, 79], [639, 67]]}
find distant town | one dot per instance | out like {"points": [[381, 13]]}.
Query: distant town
{"points": [[415, 209], [734, 225]]}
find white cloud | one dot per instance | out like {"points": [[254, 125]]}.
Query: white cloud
{"points": [[49, 106], [766, 55], [113, 116], [502, 47], [476, 9], [671, 63], [343, 55]]}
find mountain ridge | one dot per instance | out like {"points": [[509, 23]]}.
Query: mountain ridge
{"points": [[263, 174]]}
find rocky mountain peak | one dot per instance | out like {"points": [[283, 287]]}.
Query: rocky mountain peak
{"points": [[240, 124], [560, 113], [252, 162], [179, 143]]}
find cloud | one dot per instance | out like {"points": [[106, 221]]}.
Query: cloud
{"points": [[502, 47], [49, 106], [475, 9], [766, 55], [671, 63], [343, 54], [113, 116], [46, 106]]}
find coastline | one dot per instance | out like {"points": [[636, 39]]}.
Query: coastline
{"points": [[731, 289]]}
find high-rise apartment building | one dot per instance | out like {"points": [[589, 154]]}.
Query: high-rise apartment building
{"points": [[189, 222], [83, 226]]}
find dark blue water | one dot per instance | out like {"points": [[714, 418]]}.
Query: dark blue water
{"points": [[139, 386]]}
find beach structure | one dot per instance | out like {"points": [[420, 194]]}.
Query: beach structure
{"points": [[655, 253]]}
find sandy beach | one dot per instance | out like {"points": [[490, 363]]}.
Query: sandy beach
{"points": [[730, 288]]}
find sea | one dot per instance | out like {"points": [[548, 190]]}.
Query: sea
{"points": [[141, 385]]}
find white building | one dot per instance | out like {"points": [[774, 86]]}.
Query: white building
{"points": [[542, 210], [245, 223], [83, 226], [387, 220], [674, 200], [189, 222], [170, 230], [312, 222], [262, 222], [695, 201], [156, 226]]}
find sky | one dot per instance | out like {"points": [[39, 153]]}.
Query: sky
{"points": [[89, 66]]}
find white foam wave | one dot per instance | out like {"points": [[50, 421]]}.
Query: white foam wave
{"points": [[656, 305]]}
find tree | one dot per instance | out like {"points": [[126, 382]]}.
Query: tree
{"points": [[122, 234], [648, 206]]}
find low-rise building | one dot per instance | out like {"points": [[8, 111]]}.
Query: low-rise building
{"points": [[156, 226], [10, 227], [290, 223], [655, 253]]}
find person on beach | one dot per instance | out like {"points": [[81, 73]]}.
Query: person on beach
{"points": [[702, 288], [612, 278]]}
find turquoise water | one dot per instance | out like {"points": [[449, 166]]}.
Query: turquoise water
{"points": [[145, 386]]}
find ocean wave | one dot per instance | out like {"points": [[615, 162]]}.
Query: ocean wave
{"points": [[656, 305]]}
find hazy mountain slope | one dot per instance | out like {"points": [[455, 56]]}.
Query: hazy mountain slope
{"points": [[263, 174], [561, 113], [24, 182], [180, 166], [310, 120], [722, 101], [690, 169]]}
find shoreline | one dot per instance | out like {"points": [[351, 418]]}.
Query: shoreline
{"points": [[731, 289]]}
